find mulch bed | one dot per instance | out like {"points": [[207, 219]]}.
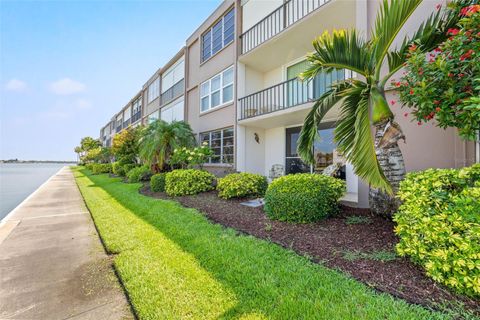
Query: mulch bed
{"points": [[329, 242]]}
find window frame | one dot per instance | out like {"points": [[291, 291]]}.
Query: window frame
{"points": [[221, 88], [209, 32], [151, 96], [222, 137]]}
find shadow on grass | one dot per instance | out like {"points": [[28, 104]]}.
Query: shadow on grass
{"points": [[267, 280]]}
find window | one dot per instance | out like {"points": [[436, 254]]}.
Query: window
{"points": [[173, 75], [127, 114], [217, 90], [153, 116], [154, 90], [221, 143], [218, 36], [173, 111]]}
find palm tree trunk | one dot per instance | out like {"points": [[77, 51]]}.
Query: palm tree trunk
{"points": [[391, 161]]}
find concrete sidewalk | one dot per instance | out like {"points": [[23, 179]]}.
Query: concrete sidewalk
{"points": [[52, 264]]}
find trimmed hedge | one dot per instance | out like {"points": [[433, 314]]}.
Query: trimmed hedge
{"points": [[439, 225], [117, 169], [157, 182], [138, 174], [303, 197], [98, 168], [127, 167], [89, 166], [188, 181], [240, 185]]}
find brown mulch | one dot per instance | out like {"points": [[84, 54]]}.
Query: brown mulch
{"points": [[328, 241]]}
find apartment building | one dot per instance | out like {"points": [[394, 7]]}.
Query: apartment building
{"points": [[211, 53], [235, 82]]}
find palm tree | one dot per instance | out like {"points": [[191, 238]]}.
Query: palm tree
{"points": [[160, 139], [376, 159]]}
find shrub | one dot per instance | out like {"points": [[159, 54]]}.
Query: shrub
{"points": [[117, 169], [98, 168], [126, 168], [303, 197], [157, 182], [138, 174], [439, 225], [238, 185], [89, 166], [188, 181]]}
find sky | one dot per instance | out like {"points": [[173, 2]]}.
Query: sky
{"points": [[66, 67]]}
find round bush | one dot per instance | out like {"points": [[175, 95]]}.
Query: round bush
{"points": [[303, 197], [99, 168], [439, 225], [190, 181], [157, 182], [89, 166], [239, 185], [117, 169], [126, 168], [138, 174]]}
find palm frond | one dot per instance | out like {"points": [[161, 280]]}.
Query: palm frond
{"points": [[338, 50], [309, 133], [391, 18], [354, 137]]}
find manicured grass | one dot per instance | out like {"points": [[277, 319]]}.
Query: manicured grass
{"points": [[175, 264]]}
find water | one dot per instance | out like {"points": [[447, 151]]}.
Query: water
{"points": [[19, 180]]}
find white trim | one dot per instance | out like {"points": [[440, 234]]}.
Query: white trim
{"points": [[220, 90]]}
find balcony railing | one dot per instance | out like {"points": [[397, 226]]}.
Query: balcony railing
{"points": [[137, 116], [281, 18], [175, 91], [288, 94], [126, 123]]}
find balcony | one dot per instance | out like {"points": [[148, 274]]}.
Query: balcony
{"points": [[137, 116], [126, 123], [288, 94], [281, 18], [175, 91]]}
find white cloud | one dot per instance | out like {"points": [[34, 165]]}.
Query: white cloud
{"points": [[67, 86], [16, 85], [83, 104]]}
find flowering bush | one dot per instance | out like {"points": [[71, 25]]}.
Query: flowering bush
{"points": [[439, 225], [239, 185], [188, 181], [441, 84], [188, 157]]}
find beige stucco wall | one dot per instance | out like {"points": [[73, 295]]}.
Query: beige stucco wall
{"points": [[256, 10]]}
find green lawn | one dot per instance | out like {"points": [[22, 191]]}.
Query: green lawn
{"points": [[175, 264]]}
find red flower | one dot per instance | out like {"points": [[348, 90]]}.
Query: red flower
{"points": [[392, 102], [438, 6], [450, 75], [466, 55], [419, 123], [431, 60], [437, 50], [436, 102], [468, 11], [453, 31], [438, 109], [412, 47], [411, 91], [461, 75], [397, 84], [405, 114]]}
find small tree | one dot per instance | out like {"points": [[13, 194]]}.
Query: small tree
{"points": [[161, 139], [98, 155], [125, 145], [86, 144], [444, 84]]}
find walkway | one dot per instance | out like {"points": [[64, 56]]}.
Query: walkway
{"points": [[52, 264]]}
